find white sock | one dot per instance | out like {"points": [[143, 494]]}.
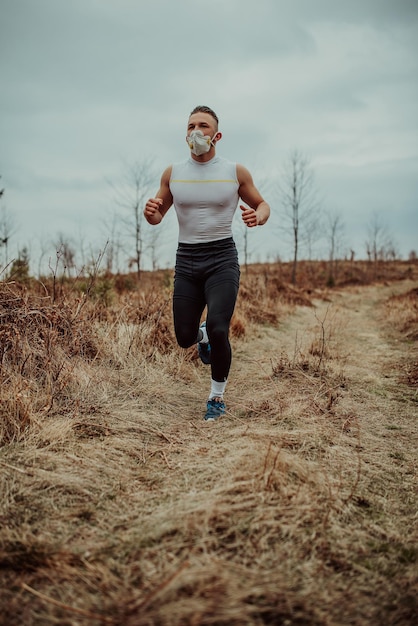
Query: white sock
{"points": [[202, 336], [216, 389]]}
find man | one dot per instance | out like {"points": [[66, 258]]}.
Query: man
{"points": [[205, 191]]}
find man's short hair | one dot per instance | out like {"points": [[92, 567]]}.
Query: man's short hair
{"points": [[205, 109]]}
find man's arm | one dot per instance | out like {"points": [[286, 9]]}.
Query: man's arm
{"points": [[156, 208], [259, 210]]}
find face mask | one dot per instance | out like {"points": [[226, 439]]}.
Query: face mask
{"points": [[199, 143]]}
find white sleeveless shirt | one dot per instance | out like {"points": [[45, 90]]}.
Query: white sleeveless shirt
{"points": [[205, 197]]}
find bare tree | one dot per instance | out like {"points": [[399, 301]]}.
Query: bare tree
{"points": [[379, 244], [376, 238], [6, 228], [43, 249], [113, 247], [245, 246], [246, 235], [66, 254], [153, 240], [131, 195], [334, 231], [242, 238], [300, 205]]}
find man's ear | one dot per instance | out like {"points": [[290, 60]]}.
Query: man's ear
{"points": [[218, 136]]}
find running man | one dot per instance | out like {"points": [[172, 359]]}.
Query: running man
{"points": [[205, 191]]}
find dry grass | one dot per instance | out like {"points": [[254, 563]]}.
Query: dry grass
{"points": [[402, 314], [120, 506]]}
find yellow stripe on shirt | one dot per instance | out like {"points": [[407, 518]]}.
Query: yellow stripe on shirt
{"points": [[227, 180]]}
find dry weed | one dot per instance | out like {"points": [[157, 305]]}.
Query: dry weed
{"points": [[402, 311], [119, 506], [402, 314]]}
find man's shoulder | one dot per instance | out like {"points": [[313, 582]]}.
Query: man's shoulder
{"points": [[177, 165], [182, 162], [227, 168], [224, 161]]}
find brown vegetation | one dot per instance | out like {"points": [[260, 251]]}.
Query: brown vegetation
{"points": [[402, 313], [120, 506]]}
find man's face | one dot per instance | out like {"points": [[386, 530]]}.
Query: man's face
{"points": [[204, 122]]}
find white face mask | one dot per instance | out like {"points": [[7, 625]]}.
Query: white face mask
{"points": [[199, 143]]}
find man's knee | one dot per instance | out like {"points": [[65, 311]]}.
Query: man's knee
{"points": [[184, 338], [218, 333]]}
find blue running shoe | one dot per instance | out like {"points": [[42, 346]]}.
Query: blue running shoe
{"points": [[204, 348], [215, 408]]}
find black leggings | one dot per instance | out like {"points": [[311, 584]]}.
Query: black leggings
{"points": [[207, 274]]}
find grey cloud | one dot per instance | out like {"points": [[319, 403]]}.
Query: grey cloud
{"points": [[87, 83]]}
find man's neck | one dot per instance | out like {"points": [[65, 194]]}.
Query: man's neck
{"points": [[204, 158]]}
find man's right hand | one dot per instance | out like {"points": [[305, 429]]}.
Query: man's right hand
{"points": [[152, 211]]}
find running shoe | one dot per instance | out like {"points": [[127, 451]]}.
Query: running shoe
{"points": [[214, 409], [204, 349]]}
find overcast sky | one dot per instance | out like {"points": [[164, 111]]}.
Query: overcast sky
{"points": [[91, 86]]}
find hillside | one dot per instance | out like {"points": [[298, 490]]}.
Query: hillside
{"points": [[119, 505]]}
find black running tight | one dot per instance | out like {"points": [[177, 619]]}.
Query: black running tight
{"points": [[207, 275]]}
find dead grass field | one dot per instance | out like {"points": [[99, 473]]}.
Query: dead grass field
{"points": [[119, 505]]}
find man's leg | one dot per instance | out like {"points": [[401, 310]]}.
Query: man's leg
{"points": [[221, 295], [188, 305]]}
